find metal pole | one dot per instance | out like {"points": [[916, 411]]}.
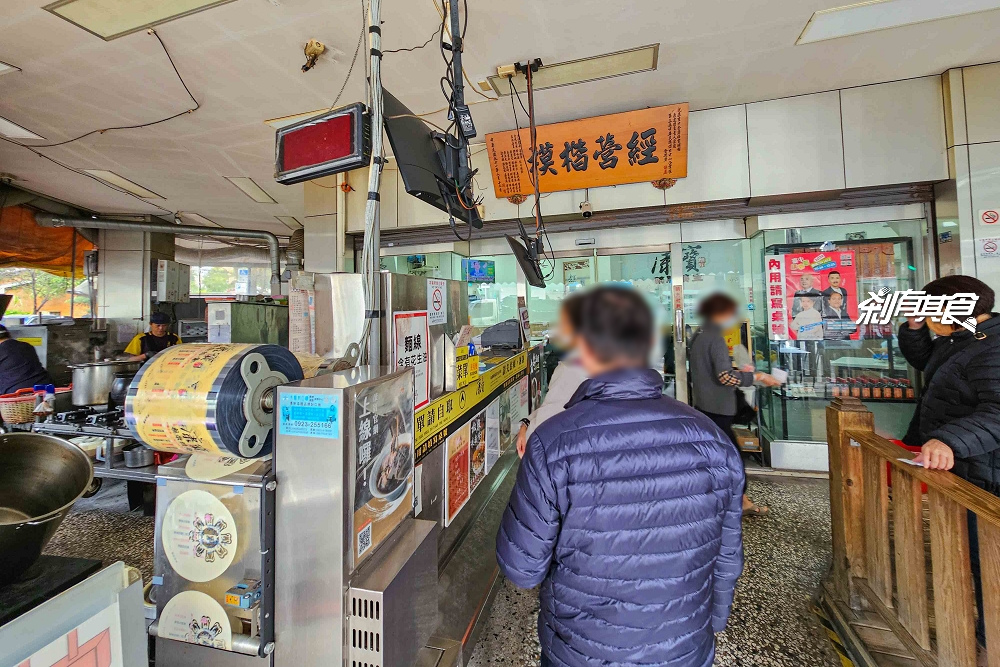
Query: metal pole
{"points": [[534, 152], [456, 51], [274, 249], [372, 277], [72, 278]]}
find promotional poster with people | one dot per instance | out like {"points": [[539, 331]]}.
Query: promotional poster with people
{"points": [[822, 295]]}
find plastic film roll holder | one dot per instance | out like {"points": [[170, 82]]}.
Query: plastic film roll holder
{"points": [[303, 557]]}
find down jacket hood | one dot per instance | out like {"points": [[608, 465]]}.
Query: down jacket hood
{"points": [[627, 511]]}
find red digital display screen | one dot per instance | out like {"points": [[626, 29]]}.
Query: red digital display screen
{"points": [[317, 143]]}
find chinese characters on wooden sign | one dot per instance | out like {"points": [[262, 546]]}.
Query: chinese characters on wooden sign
{"points": [[630, 147]]}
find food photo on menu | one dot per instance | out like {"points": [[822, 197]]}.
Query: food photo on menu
{"points": [[383, 492]]}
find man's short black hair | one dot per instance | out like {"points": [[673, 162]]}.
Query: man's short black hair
{"points": [[832, 272], [572, 305], [617, 324], [964, 285]]}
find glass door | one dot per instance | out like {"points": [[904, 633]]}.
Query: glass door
{"points": [[707, 268], [564, 274]]}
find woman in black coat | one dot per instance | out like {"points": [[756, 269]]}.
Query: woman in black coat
{"points": [[957, 421]]}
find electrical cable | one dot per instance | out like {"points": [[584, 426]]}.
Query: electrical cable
{"points": [[413, 115], [90, 176], [354, 60], [197, 105], [370, 252], [415, 48]]}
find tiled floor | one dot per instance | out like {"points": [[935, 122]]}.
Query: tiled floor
{"points": [[787, 553]]}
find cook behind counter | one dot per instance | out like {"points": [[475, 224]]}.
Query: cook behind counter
{"points": [[19, 365]]}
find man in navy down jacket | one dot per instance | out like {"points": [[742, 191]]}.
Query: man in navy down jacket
{"points": [[626, 509]]}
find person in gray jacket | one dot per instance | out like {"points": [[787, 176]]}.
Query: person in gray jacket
{"points": [[713, 379]]}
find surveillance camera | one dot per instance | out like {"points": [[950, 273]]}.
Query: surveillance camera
{"points": [[587, 209]]}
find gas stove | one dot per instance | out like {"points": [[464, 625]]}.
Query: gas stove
{"points": [[99, 421]]}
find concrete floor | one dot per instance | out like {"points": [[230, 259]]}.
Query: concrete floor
{"points": [[103, 527], [787, 553]]}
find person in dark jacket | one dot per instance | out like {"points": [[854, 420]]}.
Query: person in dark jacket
{"points": [[19, 365], [957, 420], [626, 510]]}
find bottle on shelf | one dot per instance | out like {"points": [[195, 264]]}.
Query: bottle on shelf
{"points": [[877, 389], [908, 390], [897, 389]]}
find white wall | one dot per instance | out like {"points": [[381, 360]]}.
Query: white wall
{"points": [[973, 103], [858, 137]]}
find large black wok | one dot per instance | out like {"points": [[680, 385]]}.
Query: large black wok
{"points": [[41, 476]]}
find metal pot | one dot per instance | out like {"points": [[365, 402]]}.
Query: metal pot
{"points": [[41, 476], [92, 382], [119, 387]]}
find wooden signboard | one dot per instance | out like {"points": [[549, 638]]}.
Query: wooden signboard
{"points": [[630, 147]]}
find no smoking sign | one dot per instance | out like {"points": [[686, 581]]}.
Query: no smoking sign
{"points": [[989, 216], [989, 248], [437, 303]]}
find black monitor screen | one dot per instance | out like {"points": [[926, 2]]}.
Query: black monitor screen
{"points": [[531, 270]]}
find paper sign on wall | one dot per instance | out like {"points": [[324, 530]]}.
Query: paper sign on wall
{"points": [[988, 248], [437, 302], [989, 216], [411, 350]]}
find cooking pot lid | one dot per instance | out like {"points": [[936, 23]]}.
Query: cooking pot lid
{"points": [[96, 364]]}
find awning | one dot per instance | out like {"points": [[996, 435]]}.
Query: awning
{"points": [[26, 245]]}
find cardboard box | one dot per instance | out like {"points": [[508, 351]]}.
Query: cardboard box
{"points": [[747, 441]]}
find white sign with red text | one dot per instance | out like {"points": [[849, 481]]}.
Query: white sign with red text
{"points": [[412, 350]]}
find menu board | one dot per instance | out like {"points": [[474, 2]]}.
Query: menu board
{"points": [[456, 474], [477, 450], [518, 397], [535, 373], [492, 434], [383, 441]]}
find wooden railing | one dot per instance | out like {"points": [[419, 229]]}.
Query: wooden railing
{"points": [[879, 570]]}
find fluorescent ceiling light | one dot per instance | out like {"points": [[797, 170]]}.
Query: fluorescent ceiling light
{"points": [[251, 189], [633, 61], [198, 218], [6, 68], [12, 130], [114, 179], [289, 221], [883, 14], [110, 19]]}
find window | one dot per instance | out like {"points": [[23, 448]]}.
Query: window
{"points": [[493, 302], [230, 280], [42, 294]]}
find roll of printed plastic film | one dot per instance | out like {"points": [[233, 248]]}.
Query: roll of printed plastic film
{"points": [[209, 398]]}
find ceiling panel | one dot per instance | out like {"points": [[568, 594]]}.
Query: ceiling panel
{"points": [[242, 60]]}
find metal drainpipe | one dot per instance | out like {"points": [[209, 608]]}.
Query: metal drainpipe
{"points": [[342, 222], [49, 220]]}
